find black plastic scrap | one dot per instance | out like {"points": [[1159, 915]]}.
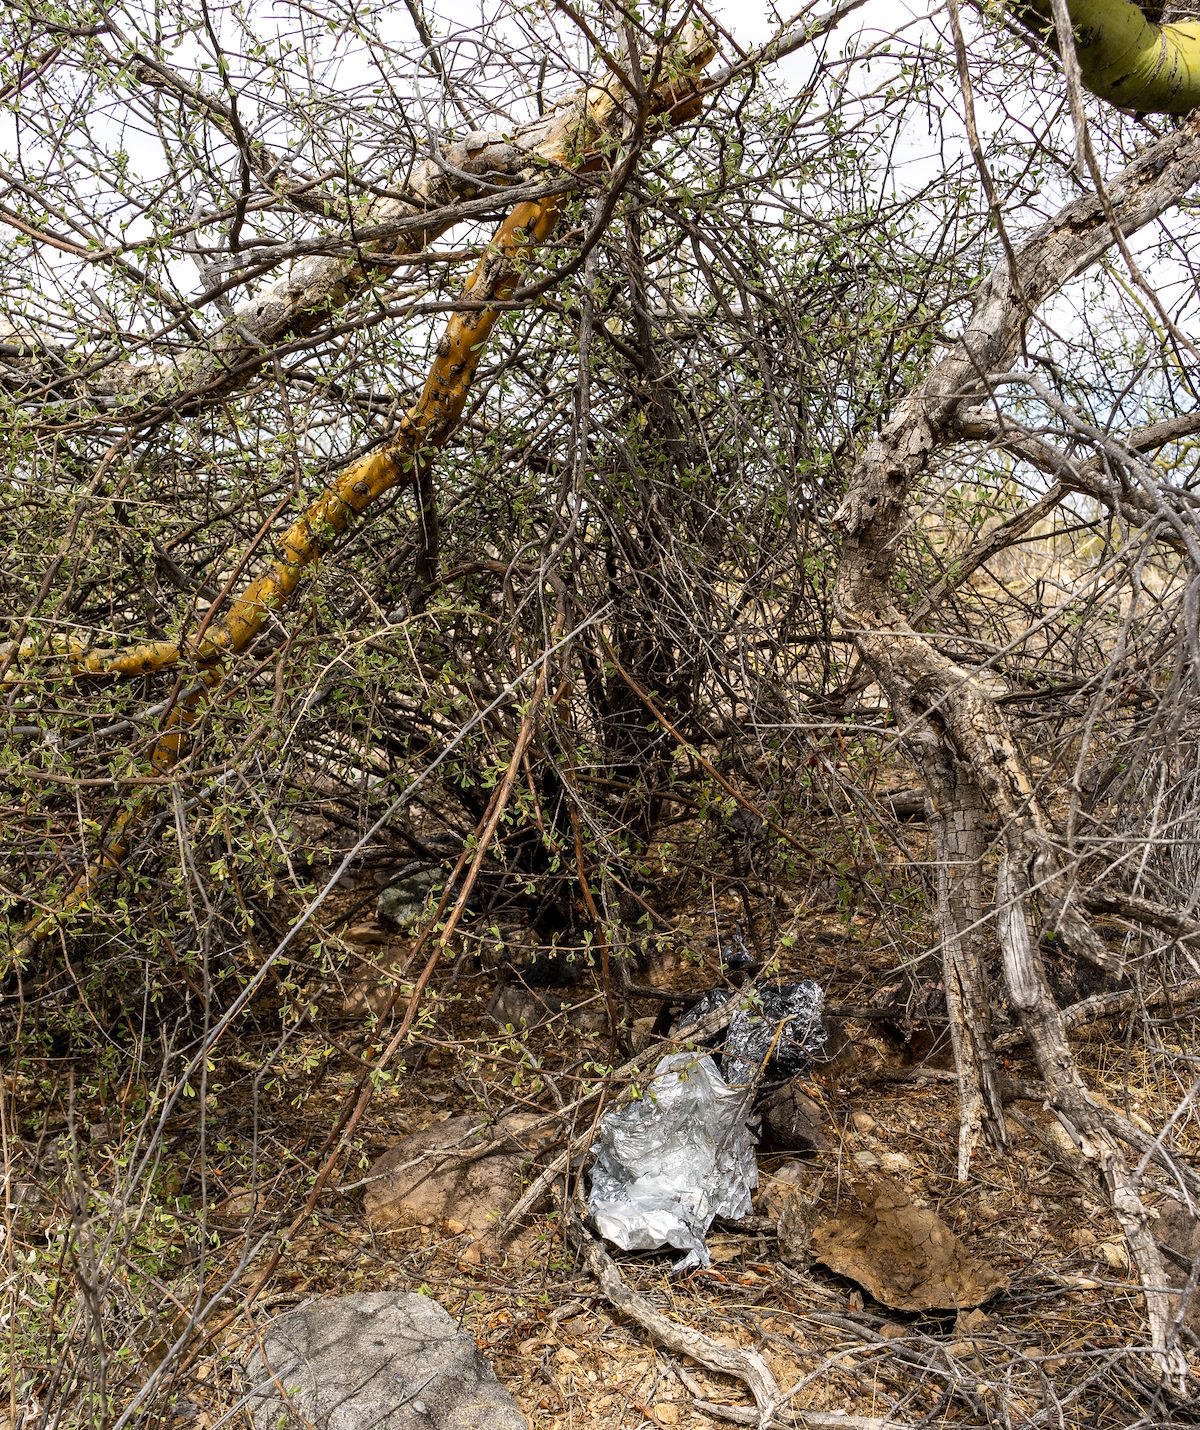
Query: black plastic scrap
{"points": [[779, 1033]]}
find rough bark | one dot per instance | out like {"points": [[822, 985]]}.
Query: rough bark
{"points": [[930, 692], [960, 842], [875, 506], [1042, 1021]]}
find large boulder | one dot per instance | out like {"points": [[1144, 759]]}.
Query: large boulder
{"points": [[385, 1359]]}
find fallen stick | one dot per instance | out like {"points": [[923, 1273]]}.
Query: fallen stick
{"points": [[746, 1366]]}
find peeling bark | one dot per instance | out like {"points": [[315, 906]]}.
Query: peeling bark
{"points": [[936, 700], [960, 846]]}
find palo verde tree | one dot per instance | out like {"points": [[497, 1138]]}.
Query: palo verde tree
{"points": [[496, 440]]}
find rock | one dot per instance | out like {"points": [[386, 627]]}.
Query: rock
{"points": [[385, 1359], [590, 1017], [539, 965], [407, 895], [896, 1162], [436, 1175], [238, 1204], [402, 903], [971, 1323], [517, 1007], [777, 1188], [790, 1197], [791, 1121], [374, 990], [642, 1034], [366, 935], [1115, 1255], [903, 1254], [513, 1005], [1178, 1234]]}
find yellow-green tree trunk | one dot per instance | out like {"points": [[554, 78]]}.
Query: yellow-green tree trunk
{"points": [[1126, 58]]}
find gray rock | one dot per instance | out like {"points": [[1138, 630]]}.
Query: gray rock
{"points": [[517, 1007], [380, 1360], [791, 1198], [402, 903], [441, 1174]]}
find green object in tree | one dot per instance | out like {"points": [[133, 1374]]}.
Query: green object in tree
{"points": [[1126, 58]]}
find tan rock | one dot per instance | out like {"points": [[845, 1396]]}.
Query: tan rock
{"points": [[460, 1175], [903, 1254]]}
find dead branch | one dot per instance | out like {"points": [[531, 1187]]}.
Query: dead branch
{"points": [[950, 720], [744, 1365], [572, 139]]}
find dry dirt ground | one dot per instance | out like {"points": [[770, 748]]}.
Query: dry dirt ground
{"points": [[141, 1253]]}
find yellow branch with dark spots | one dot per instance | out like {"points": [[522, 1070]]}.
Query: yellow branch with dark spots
{"points": [[424, 429], [580, 145]]}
